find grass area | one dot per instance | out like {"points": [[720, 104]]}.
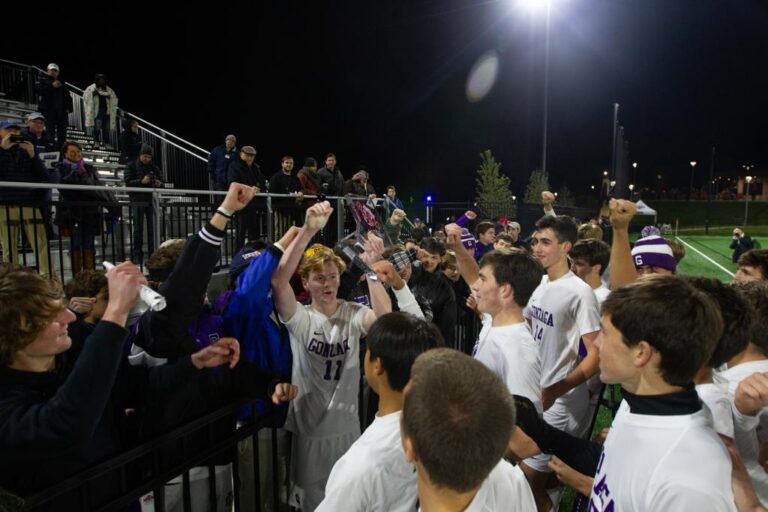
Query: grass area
{"points": [[716, 248], [692, 214]]}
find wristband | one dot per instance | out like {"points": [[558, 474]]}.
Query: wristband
{"points": [[224, 212]]}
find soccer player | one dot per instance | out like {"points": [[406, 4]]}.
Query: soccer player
{"points": [[373, 474], [457, 420], [563, 313], [589, 260], [501, 285], [325, 340]]}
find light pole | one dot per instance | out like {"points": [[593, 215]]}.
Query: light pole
{"points": [[533, 6], [690, 190], [748, 179], [631, 191], [546, 92], [634, 172]]}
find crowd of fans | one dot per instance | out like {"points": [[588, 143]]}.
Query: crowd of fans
{"points": [[493, 419]]}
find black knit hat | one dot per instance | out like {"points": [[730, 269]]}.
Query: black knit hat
{"points": [[146, 149]]}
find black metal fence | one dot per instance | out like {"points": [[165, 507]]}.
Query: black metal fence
{"points": [[62, 237], [120, 482]]}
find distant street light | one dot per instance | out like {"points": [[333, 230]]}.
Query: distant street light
{"points": [[748, 179], [690, 190]]}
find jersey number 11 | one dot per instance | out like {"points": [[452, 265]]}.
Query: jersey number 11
{"points": [[329, 368]]}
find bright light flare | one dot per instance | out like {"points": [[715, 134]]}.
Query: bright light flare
{"points": [[482, 76]]}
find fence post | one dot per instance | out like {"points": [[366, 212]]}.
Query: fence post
{"points": [[339, 218], [155, 205], [270, 224]]}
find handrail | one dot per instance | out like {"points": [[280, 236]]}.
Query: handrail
{"points": [[165, 131], [170, 142], [136, 453], [171, 191]]}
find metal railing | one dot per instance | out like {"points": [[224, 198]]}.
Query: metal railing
{"points": [[115, 238], [184, 163], [148, 467]]}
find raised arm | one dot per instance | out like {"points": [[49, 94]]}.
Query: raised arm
{"points": [[285, 301], [621, 265], [380, 302], [468, 267]]}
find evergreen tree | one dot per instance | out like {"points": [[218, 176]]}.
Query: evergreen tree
{"points": [[493, 196], [565, 197], [537, 183]]}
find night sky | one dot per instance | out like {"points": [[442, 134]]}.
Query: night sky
{"points": [[383, 83]]}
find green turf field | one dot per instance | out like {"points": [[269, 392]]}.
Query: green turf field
{"points": [[707, 256]]}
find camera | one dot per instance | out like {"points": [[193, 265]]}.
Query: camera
{"points": [[15, 139]]}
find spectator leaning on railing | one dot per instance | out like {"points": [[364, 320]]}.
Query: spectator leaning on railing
{"points": [[143, 173], [219, 160], [20, 207]]}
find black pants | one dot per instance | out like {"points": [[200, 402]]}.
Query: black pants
{"points": [[56, 123], [247, 221]]}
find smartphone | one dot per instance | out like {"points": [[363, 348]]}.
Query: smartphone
{"points": [[15, 139]]}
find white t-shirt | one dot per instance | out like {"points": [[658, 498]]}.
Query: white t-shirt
{"points": [[745, 433], [601, 293], [510, 352], [561, 311], [506, 488], [326, 369], [373, 475], [654, 462]]}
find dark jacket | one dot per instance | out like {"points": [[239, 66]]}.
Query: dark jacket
{"points": [[436, 298], [15, 165], [130, 146], [84, 210], [740, 246], [310, 181], [42, 144], [332, 181], [54, 424], [135, 172], [239, 172], [281, 183], [218, 162], [53, 99]]}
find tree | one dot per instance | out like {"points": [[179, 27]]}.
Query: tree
{"points": [[537, 183], [564, 197], [492, 193]]}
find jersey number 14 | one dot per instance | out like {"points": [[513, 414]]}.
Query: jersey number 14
{"points": [[329, 369]]}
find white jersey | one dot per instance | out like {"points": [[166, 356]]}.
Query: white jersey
{"points": [[510, 352], [561, 311], [746, 428], [601, 293], [326, 369], [652, 462], [505, 488], [373, 475]]}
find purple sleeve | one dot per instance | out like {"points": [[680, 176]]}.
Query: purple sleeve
{"points": [[462, 221]]}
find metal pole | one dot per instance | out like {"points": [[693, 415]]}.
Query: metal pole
{"points": [[615, 133], [546, 94], [746, 204], [710, 187], [690, 189]]}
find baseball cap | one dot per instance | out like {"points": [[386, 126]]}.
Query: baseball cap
{"points": [[241, 260], [654, 251], [514, 225], [9, 123], [248, 150], [53, 65], [35, 115]]}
